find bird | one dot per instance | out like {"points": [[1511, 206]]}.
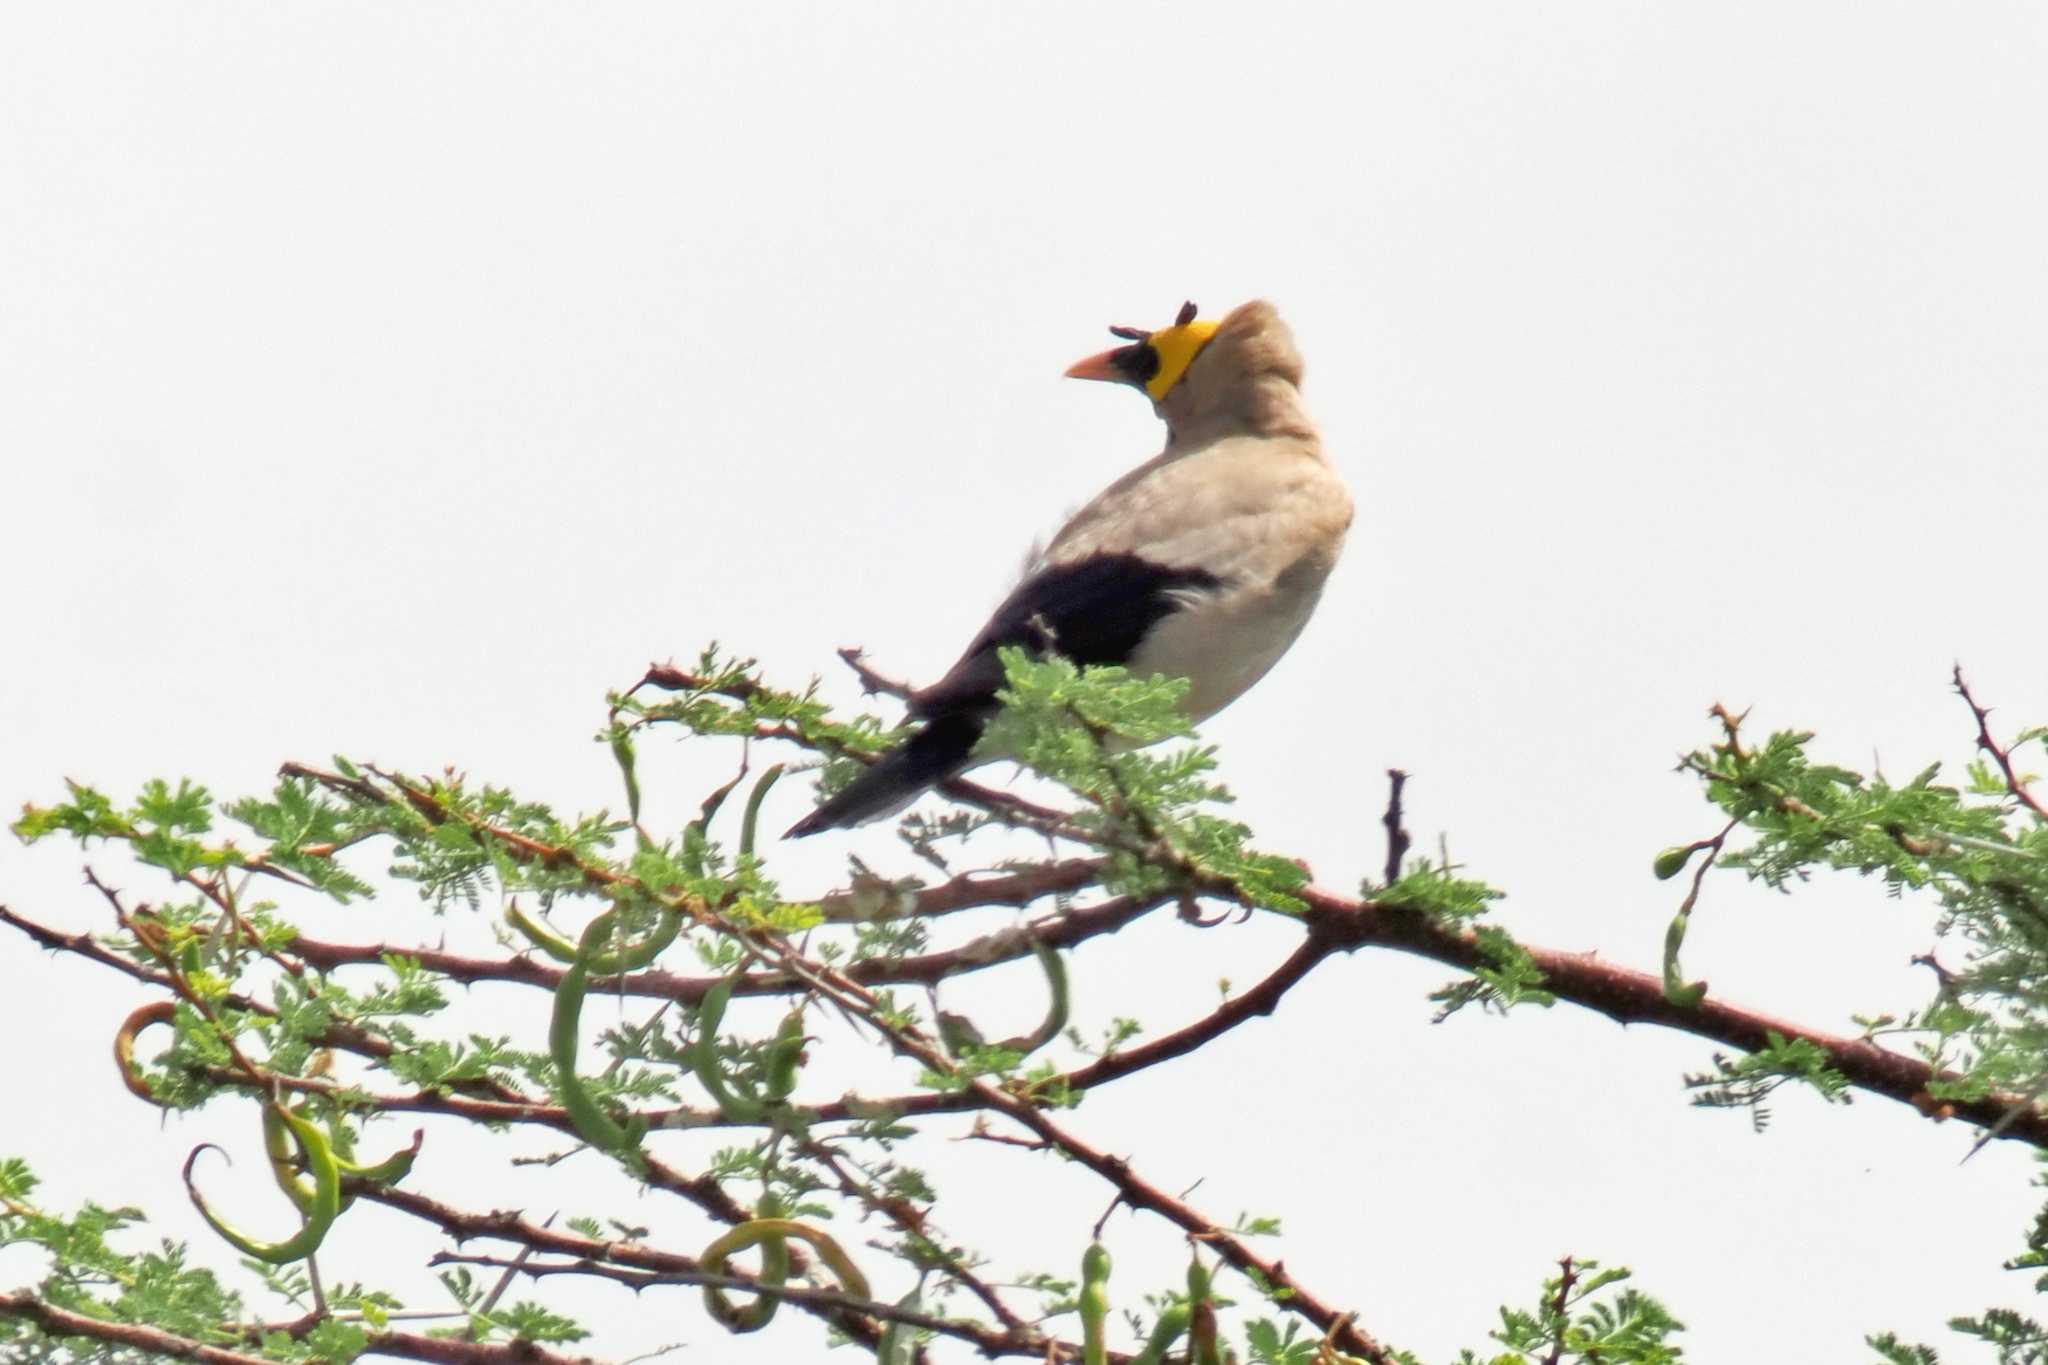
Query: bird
{"points": [[1204, 562]]}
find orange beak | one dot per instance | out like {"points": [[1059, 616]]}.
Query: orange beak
{"points": [[1101, 366]]}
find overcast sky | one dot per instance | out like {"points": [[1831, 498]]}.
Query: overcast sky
{"points": [[393, 379]]}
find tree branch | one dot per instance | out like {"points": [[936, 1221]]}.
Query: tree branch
{"points": [[2000, 755], [60, 1322]]}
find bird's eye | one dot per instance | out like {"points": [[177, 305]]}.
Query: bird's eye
{"points": [[1140, 362]]}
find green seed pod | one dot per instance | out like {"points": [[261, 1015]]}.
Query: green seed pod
{"points": [[751, 817], [786, 1055], [629, 957], [1094, 1304], [767, 1230], [774, 1271], [1057, 1005], [1672, 861], [735, 1107], [319, 1214], [156, 1012], [622, 753], [1172, 1323], [1679, 991], [594, 1125]]}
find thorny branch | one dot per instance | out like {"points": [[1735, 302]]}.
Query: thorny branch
{"points": [[2000, 754], [62, 1322], [1397, 832], [1333, 925]]}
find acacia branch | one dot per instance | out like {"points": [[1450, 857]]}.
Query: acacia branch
{"points": [[803, 1295], [1337, 923], [1132, 1189], [856, 1317], [1013, 945], [60, 1322], [2002, 756], [1632, 997]]}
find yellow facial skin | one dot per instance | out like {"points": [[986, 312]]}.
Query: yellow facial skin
{"points": [[1177, 347]]}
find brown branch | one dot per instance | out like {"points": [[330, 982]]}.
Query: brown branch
{"points": [[455, 1351], [1632, 997], [339, 1035], [1622, 994], [1397, 832], [969, 891], [855, 1317], [910, 1219], [647, 1279], [60, 1322], [871, 682], [1133, 1190], [1260, 999], [1568, 1277], [1999, 753], [1008, 946]]}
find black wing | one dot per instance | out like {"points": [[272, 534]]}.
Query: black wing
{"points": [[1092, 611]]}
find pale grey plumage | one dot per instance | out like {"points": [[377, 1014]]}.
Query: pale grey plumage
{"points": [[1204, 562]]}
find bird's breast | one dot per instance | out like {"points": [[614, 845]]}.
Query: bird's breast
{"points": [[1224, 641]]}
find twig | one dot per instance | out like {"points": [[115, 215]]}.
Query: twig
{"points": [[873, 683], [795, 1293], [851, 1316], [1397, 832], [1136, 1191], [2000, 755], [60, 1322], [1565, 1281]]}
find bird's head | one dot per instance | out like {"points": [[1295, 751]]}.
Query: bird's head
{"points": [[1154, 361]]}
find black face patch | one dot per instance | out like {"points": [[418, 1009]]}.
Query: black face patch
{"points": [[1138, 363]]}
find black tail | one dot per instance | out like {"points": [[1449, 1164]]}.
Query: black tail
{"points": [[894, 780]]}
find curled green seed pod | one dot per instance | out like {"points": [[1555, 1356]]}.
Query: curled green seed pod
{"points": [[752, 815], [277, 1146], [786, 1055], [319, 1215], [627, 957], [631, 957], [1680, 992], [539, 935], [737, 1108], [1672, 861], [1172, 1323], [760, 1231], [596, 1127], [1056, 1009], [1094, 1304], [155, 1012], [774, 1271], [958, 1033], [391, 1169], [284, 1167]]}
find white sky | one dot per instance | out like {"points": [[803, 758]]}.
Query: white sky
{"points": [[393, 379]]}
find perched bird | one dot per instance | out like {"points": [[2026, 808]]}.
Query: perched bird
{"points": [[1202, 563]]}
